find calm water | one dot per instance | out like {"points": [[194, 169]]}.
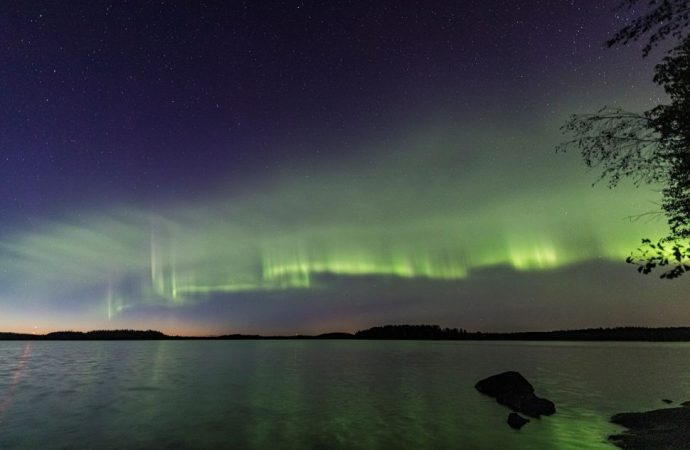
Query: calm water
{"points": [[321, 394]]}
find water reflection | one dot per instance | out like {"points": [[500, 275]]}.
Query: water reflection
{"points": [[301, 394], [16, 376]]}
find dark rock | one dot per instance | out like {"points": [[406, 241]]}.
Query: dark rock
{"points": [[516, 421], [667, 401], [514, 391], [534, 406], [503, 384], [667, 428]]}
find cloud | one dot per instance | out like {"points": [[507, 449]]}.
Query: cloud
{"points": [[430, 215]]}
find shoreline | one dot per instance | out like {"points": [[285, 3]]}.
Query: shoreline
{"points": [[664, 428], [389, 332]]}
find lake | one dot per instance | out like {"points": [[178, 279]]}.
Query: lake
{"points": [[322, 394]]}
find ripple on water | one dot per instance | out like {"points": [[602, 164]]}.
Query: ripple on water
{"points": [[292, 394]]}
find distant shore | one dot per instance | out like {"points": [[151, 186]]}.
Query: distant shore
{"points": [[389, 332]]}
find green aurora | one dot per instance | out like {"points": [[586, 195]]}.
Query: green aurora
{"points": [[413, 209]]}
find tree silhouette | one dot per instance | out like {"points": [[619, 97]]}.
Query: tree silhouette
{"points": [[665, 18], [652, 146]]}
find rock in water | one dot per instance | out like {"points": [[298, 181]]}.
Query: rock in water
{"points": [[506, 383], [514, 391], [516, 421], [667, 428], [534, 406]]}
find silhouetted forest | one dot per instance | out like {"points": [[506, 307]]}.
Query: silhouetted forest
{"points": [[95, 335], [416, 332], [106, 335], [390, 332], [434, 332]]}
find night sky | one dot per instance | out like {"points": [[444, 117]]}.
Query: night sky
{"points": [[285, 167]]}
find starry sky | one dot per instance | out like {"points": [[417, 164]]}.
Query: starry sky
{"points": [[300, 167]]}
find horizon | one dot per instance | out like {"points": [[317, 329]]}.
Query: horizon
{"points": [[350, 332], [301, 168]]}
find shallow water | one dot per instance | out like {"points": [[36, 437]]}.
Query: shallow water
{"points": [[322, 394]]}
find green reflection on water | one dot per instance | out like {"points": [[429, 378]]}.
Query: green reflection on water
{"points": [[342, 395]]}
